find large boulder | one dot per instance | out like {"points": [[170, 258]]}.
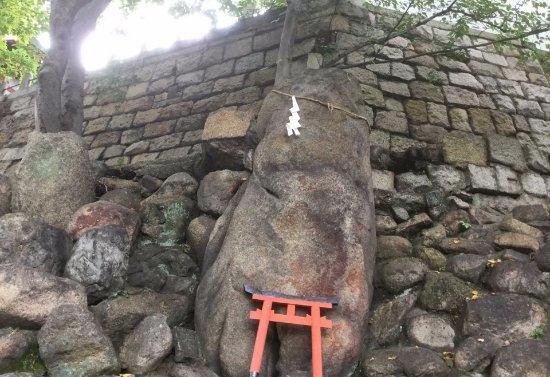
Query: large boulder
{"points": [[147, 345], [217, 189], [304, 226], [120, 315], [5, 195], [100, 214], [72, 344], [163, 269], [33, 243], [29, 296], [100, 261], [54, 179]]}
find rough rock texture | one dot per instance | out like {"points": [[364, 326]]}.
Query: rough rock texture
{"points": [[163, 269], [33, 243], [405, 361], [54, 179], [432, 331], [522, 278], [524, 358], [13, 344], [145, 347], [120, 315], [307, 217], [387, 319], [186, 346], [181, 370], [5, 195], [126, 197], [217, 189], [29, 296], [100, 214], [72, 344], [197, 236], [100, 261]]}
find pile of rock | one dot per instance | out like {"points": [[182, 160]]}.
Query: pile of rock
{"points": [[467, 294], [114, 290]]}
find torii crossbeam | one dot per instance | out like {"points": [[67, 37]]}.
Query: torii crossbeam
{"points": [[266, 314]]}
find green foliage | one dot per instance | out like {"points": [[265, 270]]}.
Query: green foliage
{"points": [[23, 20], [464, 224], [524, 24], [537, 333]]}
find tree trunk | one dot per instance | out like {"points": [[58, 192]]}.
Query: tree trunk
{"points": [[284, 58], [75, 76], [66, 38]]}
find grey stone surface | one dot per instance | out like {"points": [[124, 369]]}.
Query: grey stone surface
{"points": [[402, 273], [467, 266], [33, 243], [404, 361], [446, 177], [459, 96], [13, 344], [518, 277], [431, 331], [392, 121], [5, 195], [54, 178], [482, 179], [507, 151], [186, 346], [387, 319], [147, 345], [533, 184], [217, 188], [525, 357], [72, 343]]}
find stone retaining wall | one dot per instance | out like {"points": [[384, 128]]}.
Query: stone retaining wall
{"points": [[477, 128]]}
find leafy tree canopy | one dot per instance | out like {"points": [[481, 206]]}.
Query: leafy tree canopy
{"points": [[514, 21], [20, 23]]}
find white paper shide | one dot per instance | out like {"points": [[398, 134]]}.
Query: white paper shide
{"points": [[293, 120]]}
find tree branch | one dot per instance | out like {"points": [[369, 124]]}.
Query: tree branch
{"points": [[457, 48]]}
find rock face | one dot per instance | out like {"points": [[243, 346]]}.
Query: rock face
{"points": [[33, 243], [146, 346], [198, 234], [5, 195], [163, 269], [307, 218], [100, 261], [54, 179], [432, 331], [13, 344], [100, 214], [524, 358], [217, 189], [406, 361], [29, 296], [72, 344], [120, 315]]}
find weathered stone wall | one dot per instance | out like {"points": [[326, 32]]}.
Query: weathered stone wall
{"points": [[439, 125]]}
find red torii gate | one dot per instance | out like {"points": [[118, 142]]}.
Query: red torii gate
{"points": [[266, 314]]}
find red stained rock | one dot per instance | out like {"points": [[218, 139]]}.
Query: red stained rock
{"points": [[102, 213]]}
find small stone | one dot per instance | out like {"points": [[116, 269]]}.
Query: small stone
{"points": [[482, 179], [467, 266], [72, 343], [482, 122], [13, 344], [463, 148], [387, 319], [411, 182], [507, 180], [5, 195], [217, 188], [99, 261], [533, 184], [433, 258], [389, 247], [431, 331], [528, 108], [100, 214], [530, 212], [394, 87], [372, 96], [459, 96], [447, 177], [426, 91], [33, 243], [383, 180], [402, 71], [197, 235], [392, 121], [503, 123], [465, 79], [508, 317], [443, 291], [437, 114], [404, 361], [517, 241], [466, 246], [385, 225], [147, 345], [186, 345], [518, 277], [415, 224], [476, 352], [507, 151], [402, 273], [528, 357], [416, 111], [400, 213], [516, 226]]}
